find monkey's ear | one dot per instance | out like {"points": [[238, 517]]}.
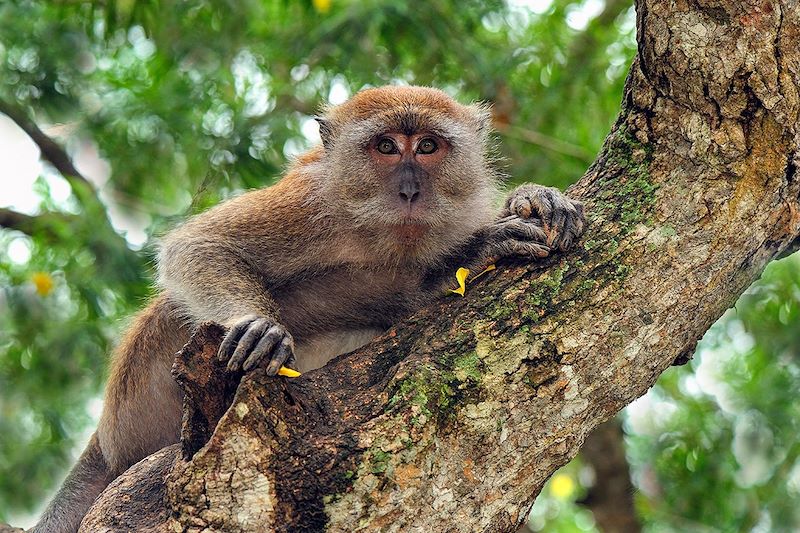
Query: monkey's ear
{"points": [[325, 131], [483, 117]]}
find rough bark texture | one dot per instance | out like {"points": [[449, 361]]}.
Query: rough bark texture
{"points": [[454, 419]]}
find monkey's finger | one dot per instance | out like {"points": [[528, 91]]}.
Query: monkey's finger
{"points": [[543, 207], [264, 347], [513, 247], [521, 205], [247, 343], [578, 205], [557, 229], [232, 338], [524, 229], [573, 226], [280, 356], [291, 361]]}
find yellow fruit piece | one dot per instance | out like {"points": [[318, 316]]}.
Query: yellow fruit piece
{"points": [[461, 278], [43, 282], [288, 372]]}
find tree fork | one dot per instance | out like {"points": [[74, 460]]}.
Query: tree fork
{"points": [[454, 419]]}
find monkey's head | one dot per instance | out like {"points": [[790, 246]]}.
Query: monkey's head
{"points": [[409, 167]]}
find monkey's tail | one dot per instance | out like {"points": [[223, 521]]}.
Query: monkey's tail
{"points": [[83, 485]]}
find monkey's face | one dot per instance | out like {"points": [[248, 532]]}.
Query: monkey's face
{"points": [[409, 168], [404, 165]]}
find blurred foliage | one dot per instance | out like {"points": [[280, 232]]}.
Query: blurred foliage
{"points": [[190, 102], [721, 450], [557, 509]]}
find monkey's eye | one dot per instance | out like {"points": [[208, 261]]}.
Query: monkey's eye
{"points": [[386, 146], [427, 146]]}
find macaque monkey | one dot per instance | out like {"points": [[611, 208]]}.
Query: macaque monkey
{"points": [[360, 232]]}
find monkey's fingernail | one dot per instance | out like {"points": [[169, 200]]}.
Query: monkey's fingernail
{"points": [[288, 372]]}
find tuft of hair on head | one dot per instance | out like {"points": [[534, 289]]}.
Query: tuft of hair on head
{"points": [[399, 105]]}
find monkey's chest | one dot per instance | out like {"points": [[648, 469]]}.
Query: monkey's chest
{"points": [[347, 299]]}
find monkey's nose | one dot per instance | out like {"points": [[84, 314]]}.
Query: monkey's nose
{"points": [[409, 191]]}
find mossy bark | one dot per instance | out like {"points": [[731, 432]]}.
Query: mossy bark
{"points": [[454, 419]]}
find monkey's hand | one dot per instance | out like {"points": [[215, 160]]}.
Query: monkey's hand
{"points": [[254, 339], [561, 219], [512, 235]]}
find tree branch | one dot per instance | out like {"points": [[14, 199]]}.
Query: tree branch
{"points": [[33, 224], [51, 151], [18, 221], [104, 242], [454, 419], [545, 141]]}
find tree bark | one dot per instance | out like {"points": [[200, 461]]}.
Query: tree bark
{"points": [[454, 419]]}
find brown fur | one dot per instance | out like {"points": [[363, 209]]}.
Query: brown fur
{"points": [[140, 388], [324, 259]]}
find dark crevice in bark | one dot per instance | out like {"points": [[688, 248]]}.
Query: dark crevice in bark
{"points": [[208, 387]]}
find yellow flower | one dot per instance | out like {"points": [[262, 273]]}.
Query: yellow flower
{"points": [[43, 282], [322, 6], [562, 486]]}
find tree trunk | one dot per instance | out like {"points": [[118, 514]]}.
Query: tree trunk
{"points": [[454, 419], [610, 498]]}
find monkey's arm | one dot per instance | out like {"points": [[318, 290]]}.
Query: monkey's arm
{"points": [[222, 265], [534, 221]]}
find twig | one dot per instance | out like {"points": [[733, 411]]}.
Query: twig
{"points": [[545, 141], [51, 150]]}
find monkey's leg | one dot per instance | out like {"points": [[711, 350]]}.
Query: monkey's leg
{"points": [[85, 482], [142, 406], [141, 414]]}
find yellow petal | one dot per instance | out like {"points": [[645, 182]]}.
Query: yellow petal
{"points": [[484, 271], [461, 277], [288, 372], [43, 282]]}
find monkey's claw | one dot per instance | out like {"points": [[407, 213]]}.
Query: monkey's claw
{"points": [[254, 339], [562, 218]]}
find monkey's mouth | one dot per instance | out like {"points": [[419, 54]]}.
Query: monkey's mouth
{"points": [[410, 233]]}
